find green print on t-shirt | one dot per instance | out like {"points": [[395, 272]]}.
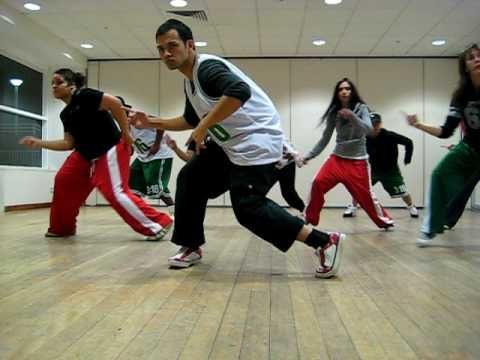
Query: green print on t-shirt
{"points": [[219, 132], [141, 146]]}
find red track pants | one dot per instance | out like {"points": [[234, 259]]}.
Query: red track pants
{"points": [[355, 176], [109, 174]]}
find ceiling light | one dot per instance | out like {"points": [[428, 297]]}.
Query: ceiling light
{"points": [[318, 42], [7, 19], [333, 2], [201, 43], [16, 82], [86, 46], [31, 6], [178, 3], [439, 42], [68, 56]]}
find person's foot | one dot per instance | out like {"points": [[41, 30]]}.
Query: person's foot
{"points": [[425, 239], [330, 256], [161, 234], [350, 211], [50, 234], [413, 211], [185, 257], [167, 199]]}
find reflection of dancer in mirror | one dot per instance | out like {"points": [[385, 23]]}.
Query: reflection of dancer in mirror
{"points": [[151, 169], [246, 144], [382, 149], [100, 159], [460, 168], [349, 116]]}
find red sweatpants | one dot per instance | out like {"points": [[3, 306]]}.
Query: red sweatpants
{"points": [[355, 176], [109, 173]]}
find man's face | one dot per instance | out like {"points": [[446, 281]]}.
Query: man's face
{"points": [[172, 50], [376, 129]]}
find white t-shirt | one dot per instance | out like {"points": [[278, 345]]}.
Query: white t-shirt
{"points": [[144, 140], [252, 135]]}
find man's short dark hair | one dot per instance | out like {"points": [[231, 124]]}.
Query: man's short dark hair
{"points": [[183, 30], [375, 118]]}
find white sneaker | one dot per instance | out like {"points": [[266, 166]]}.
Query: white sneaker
{"points": [[330, 256], [413, 211], [425, 240], [161, 234], [350, 211], [185, 257]]}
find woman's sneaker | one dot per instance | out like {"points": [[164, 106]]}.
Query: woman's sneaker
{"points": [[350, 211], [185, 257], [161, 234], [425, 239], [330, 256]]}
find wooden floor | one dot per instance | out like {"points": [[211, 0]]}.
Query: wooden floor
{"points": [[106, 294]]}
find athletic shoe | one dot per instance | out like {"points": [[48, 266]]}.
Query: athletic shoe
{"points": [[413, 211], [167, 199], [425, 239], [161, 234], [185, 257], [350, 211], [330, 256], [53, 235]]}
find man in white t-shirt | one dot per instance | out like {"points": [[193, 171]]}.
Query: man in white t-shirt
{"points": [[247, 140]]}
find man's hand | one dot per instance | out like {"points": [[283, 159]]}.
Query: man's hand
{"points": [[198, 135], [154, 149], [138, 118], [172, 144]]}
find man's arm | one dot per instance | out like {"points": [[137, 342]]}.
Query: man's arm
{"points": [[67, 143], [405, 141]]}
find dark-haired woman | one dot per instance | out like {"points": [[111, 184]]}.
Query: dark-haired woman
{"points": [[350, 117], [460, 168], [100, 159]]}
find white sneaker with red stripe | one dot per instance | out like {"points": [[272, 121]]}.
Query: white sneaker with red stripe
{"points": [[185, 257], [330, 256]]}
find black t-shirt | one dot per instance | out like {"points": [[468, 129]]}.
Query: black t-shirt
{"points": [[94, 131], [469, 112], [216, 80], [383, 150]]}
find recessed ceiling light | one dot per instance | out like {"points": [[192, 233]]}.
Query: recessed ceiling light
{"points": [[333, 2], [178, 3], [318, 42], [16, 82], [201, 43], [31, 6], [68, 56], [439, 42], [86, 46], [7, 19]]}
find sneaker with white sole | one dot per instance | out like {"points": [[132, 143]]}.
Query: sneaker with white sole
{"points": [[185, 257], [161, 234], [330, 256], [413, 211], [425, 239], [350, 211]]}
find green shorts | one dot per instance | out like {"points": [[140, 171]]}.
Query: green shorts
{"points": [[150, 178], [392, 181]]}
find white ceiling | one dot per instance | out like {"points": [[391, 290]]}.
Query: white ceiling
{"points": [[262, 28]]}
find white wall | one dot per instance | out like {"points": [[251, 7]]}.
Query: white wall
{"points": [[33, 46], [301, 90]]}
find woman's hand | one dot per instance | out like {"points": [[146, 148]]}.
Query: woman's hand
{"points": [[31, 142]]}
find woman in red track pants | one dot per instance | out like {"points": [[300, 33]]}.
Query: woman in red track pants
{"points": [[100, 159], [350, 117]]}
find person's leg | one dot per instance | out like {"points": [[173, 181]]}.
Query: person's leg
{"points": [[325, 179], [457, 205], [165, 172], [136, 180], [71, 189], [286, 179], [447, 182], [194, 188], [272, 223], [111, 178], [393, 183], [356, 178]]}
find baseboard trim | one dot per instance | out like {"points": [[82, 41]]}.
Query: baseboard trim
{"points": [[27, 206]]}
